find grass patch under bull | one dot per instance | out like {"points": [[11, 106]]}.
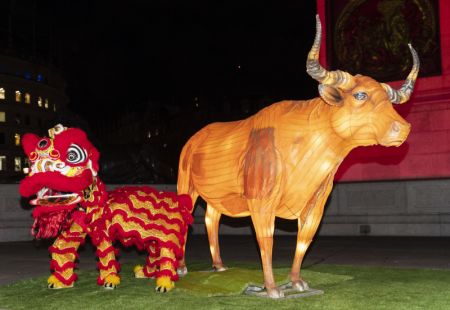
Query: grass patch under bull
{"points": [[345, 287]]}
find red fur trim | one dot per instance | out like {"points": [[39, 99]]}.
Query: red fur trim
{"points": [[55, 180], [161, 261], [49, 225], [70, 238], [106, 251], [68, 281], [54, 250], [133, 237], [178, 234], [173, 276], [149, 274], [110, 264], [122, 195], [40, 211], [29, 142], [101, 281], [54, 266]]}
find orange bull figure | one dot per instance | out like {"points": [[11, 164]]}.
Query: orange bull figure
{"points": [[281, 161]]}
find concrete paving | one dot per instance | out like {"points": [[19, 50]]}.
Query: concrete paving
{"points": [[22, 260]]}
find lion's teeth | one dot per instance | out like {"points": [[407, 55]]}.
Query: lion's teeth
{"points": [[41, 193]]}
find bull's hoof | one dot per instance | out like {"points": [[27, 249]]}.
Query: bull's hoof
{"points": [[219, 268], [54, 284], [300, 285], [182, 271], [111, 281], [287, 290], [274, 293], [164, 284], [260, 291]]}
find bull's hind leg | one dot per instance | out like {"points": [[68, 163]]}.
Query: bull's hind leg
{"points": [[306, 232], [212, 219], [64, 253]]}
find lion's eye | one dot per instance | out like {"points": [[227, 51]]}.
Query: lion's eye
{"points": [[360, 95], [43, 143], [75, 154]]}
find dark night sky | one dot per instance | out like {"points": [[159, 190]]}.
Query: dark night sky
{"points": [[117, 55]]}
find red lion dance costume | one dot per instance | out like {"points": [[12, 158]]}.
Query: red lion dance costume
{"points": [[71, 202]]}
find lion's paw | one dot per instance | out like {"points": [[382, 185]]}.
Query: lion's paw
{"points": [[111, 281], [164, 284], [54, 283], [139, 272]]}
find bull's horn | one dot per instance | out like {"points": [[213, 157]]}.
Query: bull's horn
{"points": [[402, 95], [316, 71]]}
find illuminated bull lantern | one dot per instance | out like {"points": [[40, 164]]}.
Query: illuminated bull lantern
{"points": [[281, 161]]}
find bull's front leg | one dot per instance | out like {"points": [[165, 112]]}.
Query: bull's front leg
{"points": [[307, 230], [64, 253], [263, 218]]}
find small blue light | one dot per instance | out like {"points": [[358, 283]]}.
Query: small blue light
{"points": [[39, 77], [27, 75]]}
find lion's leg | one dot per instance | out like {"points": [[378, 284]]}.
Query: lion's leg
{"points": [[150, 268], [212, 219], [167, 270], [64, 253], [107, 264]]}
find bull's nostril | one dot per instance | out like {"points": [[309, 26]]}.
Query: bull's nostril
{"points": [[395, 127]]}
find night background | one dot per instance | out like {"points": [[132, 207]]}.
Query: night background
{"points": [[149, 74]]}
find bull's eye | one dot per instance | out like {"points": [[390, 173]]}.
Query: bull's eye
{"points": [[360, 95], [75, 154]]}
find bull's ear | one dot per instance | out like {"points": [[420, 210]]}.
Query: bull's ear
{"points": [[331, 95]]}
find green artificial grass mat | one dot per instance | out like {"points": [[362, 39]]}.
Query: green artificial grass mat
{"points": [[345, 287]]}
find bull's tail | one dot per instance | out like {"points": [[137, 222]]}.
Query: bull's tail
{"points": [[185, 184]]}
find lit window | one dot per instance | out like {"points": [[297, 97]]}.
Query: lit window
{"points": [[17, 139], [46, 103], [17, 164], [27, 98], [40, 101], [39, 77], [2, 117], [18, 96], [2, 93], [54, 107], [2, 162]]}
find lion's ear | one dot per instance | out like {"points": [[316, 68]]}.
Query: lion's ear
{"points": [[29, 142]]}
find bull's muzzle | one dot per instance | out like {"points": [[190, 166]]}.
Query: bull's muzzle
{"points": [[397, 134]]}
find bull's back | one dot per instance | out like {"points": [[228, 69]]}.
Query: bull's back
{"points": [[211, 162]]}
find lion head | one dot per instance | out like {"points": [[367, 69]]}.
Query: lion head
{"points": [[62, 177]]}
